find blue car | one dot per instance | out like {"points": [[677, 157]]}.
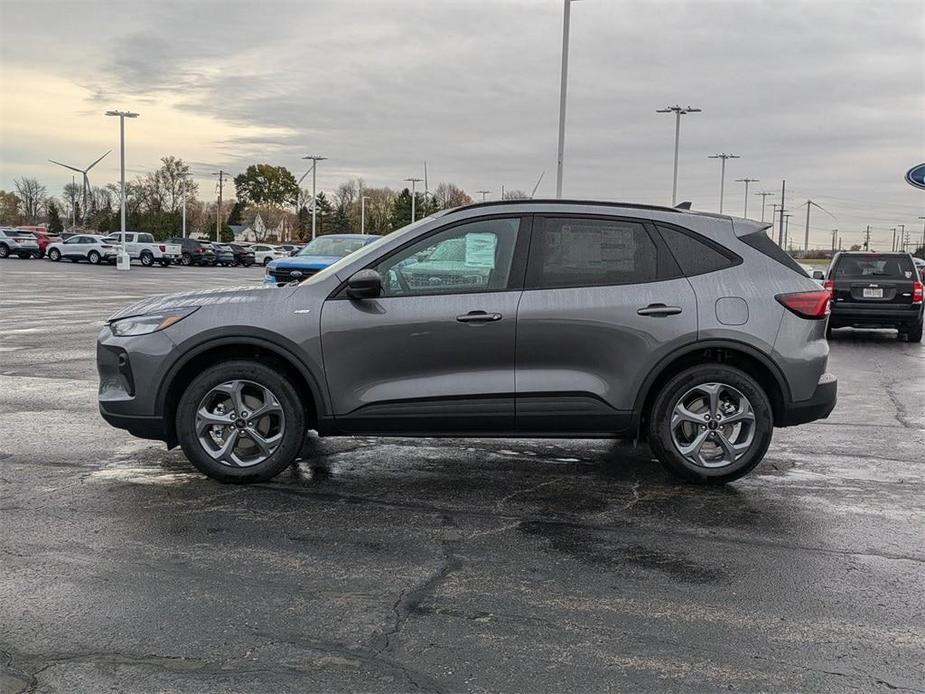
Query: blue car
{"points": [[316, 256]]}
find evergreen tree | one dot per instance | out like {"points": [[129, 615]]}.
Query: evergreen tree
{"points": [[54, 219], [401, 209]]}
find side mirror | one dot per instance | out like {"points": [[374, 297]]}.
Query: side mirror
{"points": [[366, 284], [818, 275]]}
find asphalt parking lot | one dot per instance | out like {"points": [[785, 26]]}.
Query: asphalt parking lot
{"points": [[444, 565]]}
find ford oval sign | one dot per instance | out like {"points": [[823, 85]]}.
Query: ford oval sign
{"points": [[916, 176]]}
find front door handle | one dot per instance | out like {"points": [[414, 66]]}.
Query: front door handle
{"points": [[659, 310], [478, 317]]}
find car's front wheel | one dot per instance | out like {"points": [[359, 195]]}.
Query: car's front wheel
{"points": [[54, 255], [240, 422], [94, 257], [710, 424]]}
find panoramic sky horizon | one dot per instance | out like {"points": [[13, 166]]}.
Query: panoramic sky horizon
{"points": [[829, 95]]}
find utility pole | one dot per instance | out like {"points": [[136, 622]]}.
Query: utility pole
{"points": [[834, 239], [746, 181], [763, 196], [867, 239], [315, 159], [902, 238], [678, 111], [562, 89], [221, 173], [780, 231], [893, 246], [787, 242], [486, 192], [363, 199], [809, 206], [923, 233], [722, 176], [414, 182]]}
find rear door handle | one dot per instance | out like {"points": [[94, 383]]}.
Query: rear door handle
{"points": [[478, 317], [659, 310]]}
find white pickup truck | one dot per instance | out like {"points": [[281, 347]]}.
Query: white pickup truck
{"points": [[144, 248]]}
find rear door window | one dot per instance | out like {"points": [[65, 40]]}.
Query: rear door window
{"points": [[590, 252]]}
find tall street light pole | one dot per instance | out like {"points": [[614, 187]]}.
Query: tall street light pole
{"points": [[414, 181], [763, 196], [678, 111], [315, 159], [722, 175], [484, 193], [746, 181], [562, 89], [363, 199], [123, 261]]}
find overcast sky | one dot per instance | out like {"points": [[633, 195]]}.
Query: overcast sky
{"points": [[829, 95]]}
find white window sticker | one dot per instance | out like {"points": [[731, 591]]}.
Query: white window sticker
{"points": [[480, 250]]}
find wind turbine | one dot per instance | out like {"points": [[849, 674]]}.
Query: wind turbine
{"points": [[533, 192], [86, 179]]}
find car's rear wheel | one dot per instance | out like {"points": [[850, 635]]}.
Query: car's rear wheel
{"points": [[914, 333], [94, 258], [54, 254], [4, 251], [710, 424], [240, 422], [147, 258]]}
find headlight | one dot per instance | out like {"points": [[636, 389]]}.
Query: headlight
{"points": [[150, 323]]}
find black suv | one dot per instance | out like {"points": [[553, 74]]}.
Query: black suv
{"points": [[195, 252], [876, 290]]}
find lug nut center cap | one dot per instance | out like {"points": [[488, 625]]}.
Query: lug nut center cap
{"points": [[240, 423]]}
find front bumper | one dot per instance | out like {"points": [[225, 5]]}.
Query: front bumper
{"points": [[818, 406]]}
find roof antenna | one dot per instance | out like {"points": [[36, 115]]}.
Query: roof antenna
{"points": [[686, 205]]}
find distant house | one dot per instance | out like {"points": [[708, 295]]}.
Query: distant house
{"points": [[256, 230]]}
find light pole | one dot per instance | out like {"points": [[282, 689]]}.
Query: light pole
{"points": [[746, 181], [923, 233], [123, 262], [678, 111], [488, 192], [414, 181], [562, 89], [363, 199], [315, 160], [722, 176], [763, 196]]}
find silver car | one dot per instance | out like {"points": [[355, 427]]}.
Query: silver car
{"points": [[18, 243], [528, 318]]}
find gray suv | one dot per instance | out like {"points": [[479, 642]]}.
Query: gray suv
{"points": [[561, 319]]}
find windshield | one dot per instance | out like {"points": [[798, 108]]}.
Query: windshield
{"points": [[895, 267], [334, 247]]}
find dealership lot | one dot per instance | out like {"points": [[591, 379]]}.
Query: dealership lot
{"points": [[443, 565]]}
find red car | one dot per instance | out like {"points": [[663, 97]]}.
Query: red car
{"points": [[42, 237]]}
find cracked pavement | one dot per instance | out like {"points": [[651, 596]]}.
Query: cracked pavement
{"points": [[385, 565]]}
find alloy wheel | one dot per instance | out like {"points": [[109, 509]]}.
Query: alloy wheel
{"points": [[240, 423], [713, 425]]}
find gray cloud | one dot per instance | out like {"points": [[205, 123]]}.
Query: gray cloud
{"points": [[829, 95]]}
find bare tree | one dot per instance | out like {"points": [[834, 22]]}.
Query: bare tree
{"points": [[32, 196], [450, 195], [516, 195]]}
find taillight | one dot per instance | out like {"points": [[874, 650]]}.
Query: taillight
{"points": [[806, 304], [163, 248], [917, 291], [829, 286]]}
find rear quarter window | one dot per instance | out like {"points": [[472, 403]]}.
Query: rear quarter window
{"points": [[694, 254]]}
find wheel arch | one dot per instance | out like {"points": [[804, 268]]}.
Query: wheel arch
{"points": [[729, 352], [226, 348]]}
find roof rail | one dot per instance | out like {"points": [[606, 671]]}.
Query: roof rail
{"points": [[561, 201]]}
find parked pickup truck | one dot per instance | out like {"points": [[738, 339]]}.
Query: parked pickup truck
{"points": [[144, 248]]}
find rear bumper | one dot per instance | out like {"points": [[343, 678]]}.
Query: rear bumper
{"points": [[879, 316], [819, 406]]}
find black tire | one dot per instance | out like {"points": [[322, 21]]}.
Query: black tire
{"points": [[25, 256], [165, 263], [4, 251], [94, 258], [247, 263], [147, 258], [828, 331], [292, 408], [54, 255], [914, 334], [659, 423], [186, 259], [266, 261]]}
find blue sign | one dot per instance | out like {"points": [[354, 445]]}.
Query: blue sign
{"points": [[916, 176]]}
